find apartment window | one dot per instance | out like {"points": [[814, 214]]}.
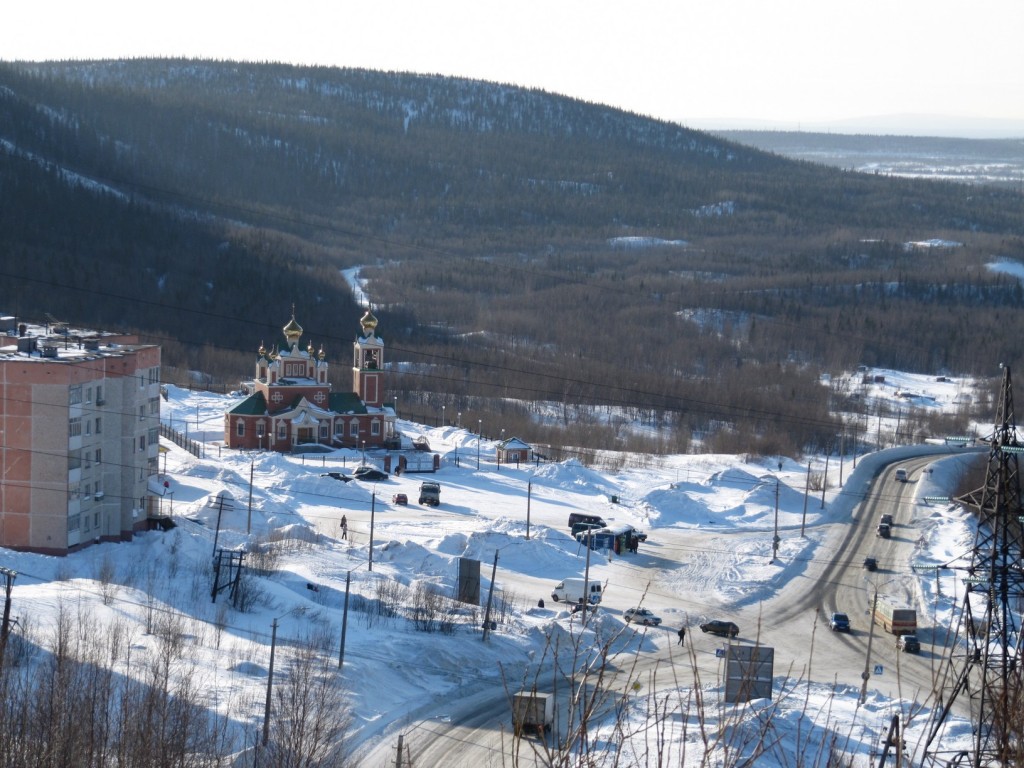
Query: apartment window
{"points": [[99, 455], [99, 394], [142, 413], [88, 426], [282, 432], [88, 490], [323, 431], [88, 394], [261, 429], [240, 428], [74, 491], [353, 428], [154, 375], [73, 522], [142, 443], [75, 459], [375, 428], [96, 520], [75, 394], [75, 426], [339, 428], [85, 522], [99, 425], [154, 406]]}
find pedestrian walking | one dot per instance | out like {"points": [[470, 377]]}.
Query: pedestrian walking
{"points": [[344, 527], [682, 634]]}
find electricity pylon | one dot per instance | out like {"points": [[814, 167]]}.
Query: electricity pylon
{"points": [[985, 662]]}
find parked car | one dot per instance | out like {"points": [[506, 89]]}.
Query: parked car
{"points": [[719, 627], [366, 472], [839, 622], [909, 644], [870, 563], [886, 520], [642, 616], [399, 498]]}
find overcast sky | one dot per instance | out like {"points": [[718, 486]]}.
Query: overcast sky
{"points": [[793, 64]]}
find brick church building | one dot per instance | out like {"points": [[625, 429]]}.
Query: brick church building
{"points": [[291, 403]]}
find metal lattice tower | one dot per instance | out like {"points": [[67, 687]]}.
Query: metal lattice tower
{"points": [[985, 662]]}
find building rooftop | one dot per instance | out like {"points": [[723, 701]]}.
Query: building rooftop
{"points": [[55, 340]]}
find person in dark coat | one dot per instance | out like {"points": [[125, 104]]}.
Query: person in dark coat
{"points": [[682, 634]]}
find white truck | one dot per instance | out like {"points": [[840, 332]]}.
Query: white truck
{"points": [[430, 493], [573, 591], [532, 711]]}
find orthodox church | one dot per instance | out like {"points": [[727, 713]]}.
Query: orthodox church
{"points": [[290, 402]]}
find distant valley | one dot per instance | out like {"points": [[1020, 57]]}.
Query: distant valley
{"points": [[998, 162]]}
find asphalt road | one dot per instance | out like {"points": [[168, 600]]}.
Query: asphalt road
{"points": [[474, 731]]}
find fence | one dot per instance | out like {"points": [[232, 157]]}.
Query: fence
{"points": [[180, 440]]}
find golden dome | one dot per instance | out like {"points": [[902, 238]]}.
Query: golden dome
{"points": [[369, 323], [292, 331]]}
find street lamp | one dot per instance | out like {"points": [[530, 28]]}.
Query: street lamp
{"points": [[458, 423], [479, 439], [443, 422]]}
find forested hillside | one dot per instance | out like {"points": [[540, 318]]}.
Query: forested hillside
{"points": [[521, 247]]}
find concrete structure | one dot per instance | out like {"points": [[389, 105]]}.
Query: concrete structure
{"points": [[291, 406], [79, 436]]}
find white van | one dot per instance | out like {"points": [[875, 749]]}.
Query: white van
{"points": [[571, 590], [901, 474]]}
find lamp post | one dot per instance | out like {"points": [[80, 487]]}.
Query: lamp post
{"points": [[443, 422], [479, 439], [458, 422]]}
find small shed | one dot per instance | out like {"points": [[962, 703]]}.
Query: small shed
{"points": [[513, 451]]}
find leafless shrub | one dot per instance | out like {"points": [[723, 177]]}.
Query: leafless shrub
{"points": [[105, 575], [311, 717], [263, 557]]}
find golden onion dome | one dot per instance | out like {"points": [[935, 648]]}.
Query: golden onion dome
{"points": [[369, 323], [292, 331]]}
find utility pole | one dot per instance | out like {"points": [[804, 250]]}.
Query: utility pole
{"points": [[252, 475], [987, 642], [824, 479], [5, 630], [775, 538], [586, 579], [344, 620], [490, 596], [529, 491], [373, 509], [866, 674], [220, 510], [270, 684], [807, 493]]}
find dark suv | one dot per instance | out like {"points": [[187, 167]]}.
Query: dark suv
{"points": [[718, 627], [909, 644]]}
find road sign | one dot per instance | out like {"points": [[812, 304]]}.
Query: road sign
{"points": [[878, 669]]}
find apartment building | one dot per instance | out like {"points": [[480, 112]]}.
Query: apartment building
{"points": [[79, 435]]}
